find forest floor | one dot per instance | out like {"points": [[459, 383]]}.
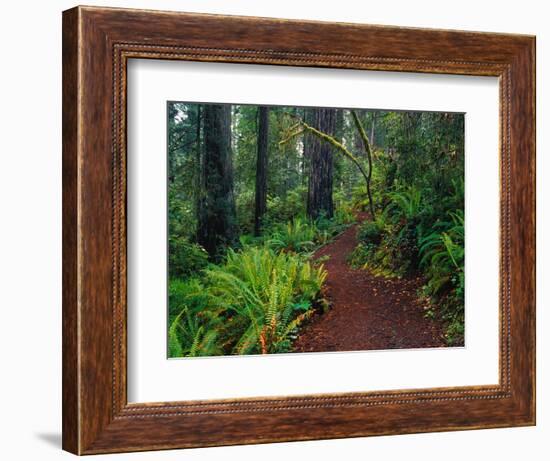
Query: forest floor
{"points": [[367, 312]]}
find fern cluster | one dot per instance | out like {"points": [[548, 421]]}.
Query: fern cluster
{"points": [[252, 304], [296, 236], [302, 235], [193, 330], [442, 254]]}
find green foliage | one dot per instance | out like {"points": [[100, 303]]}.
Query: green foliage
{"points": [[412, 236], [370, 232], [345, 210], [281, 209], [455, 329], [185, 258], [183, 168], [193, 330], [443, 256], [245, 203], [370, 236], [181, 215], [272, 293], [325, 229], [418, 193], [328, 228], [344, 215], [191, 336], [388, 246], [407, 202], [442, 259], [296, 236], [359, 197], [186, 293], [254, 303]]}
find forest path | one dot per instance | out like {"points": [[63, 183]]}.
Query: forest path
{"points": [[367, 312]]}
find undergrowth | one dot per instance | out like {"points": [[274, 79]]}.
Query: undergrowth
{"points": [[253, 303]]}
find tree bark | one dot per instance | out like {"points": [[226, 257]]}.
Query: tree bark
{"points": [[198, 160], [306, 152], [261, 168], [172, 111], [368, 150], [321, 165], [339, 126], [372, 127], [357, 140], [339, 147], [217, 220]]}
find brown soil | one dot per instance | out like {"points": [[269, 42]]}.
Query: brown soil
{"points": [[367, 312]]}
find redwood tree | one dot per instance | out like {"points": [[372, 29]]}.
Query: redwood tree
{"points": [[319, 198], [261, 167], [217, 222]]}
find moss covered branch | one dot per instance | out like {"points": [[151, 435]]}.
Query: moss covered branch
{"points": [[368, 150], [301, 127]]}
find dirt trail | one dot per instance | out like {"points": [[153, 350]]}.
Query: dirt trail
{"points": [[367, 311]]}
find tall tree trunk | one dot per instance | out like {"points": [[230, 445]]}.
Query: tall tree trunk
{"points": [[357, 140], [339, 126], [172, 153], [198, 160], [261, 168], [372, 132], [217, 221], [319, 199], [306, 152]]}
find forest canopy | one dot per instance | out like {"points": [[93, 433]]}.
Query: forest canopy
{"points": [[254, 192]]}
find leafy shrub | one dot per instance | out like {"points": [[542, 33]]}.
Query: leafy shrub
{"points": [[186, 293], [370, 233], [455, 330], [360, 198], [385, 248], [344, 215], [389, 245], [408, 202], [326, 229], [194, 324], [253, 303], [272, 293], [181, 215], [245, 209], [190, 335], [286, 208], [443, 255], [297, 236], [406, 247], [345, 210], [443, 261], [360, 255], [247, 240], [185, 258]]}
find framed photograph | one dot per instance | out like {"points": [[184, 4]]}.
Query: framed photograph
{"points": [[282, 230]]}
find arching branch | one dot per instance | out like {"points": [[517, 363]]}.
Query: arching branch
{"points": [[301, 127], [368, 150]]}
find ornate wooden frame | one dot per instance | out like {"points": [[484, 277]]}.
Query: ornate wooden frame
{"points": [[97, 43]]}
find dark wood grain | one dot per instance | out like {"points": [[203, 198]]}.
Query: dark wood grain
{"points": [[70, 384], [97, 42]]}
